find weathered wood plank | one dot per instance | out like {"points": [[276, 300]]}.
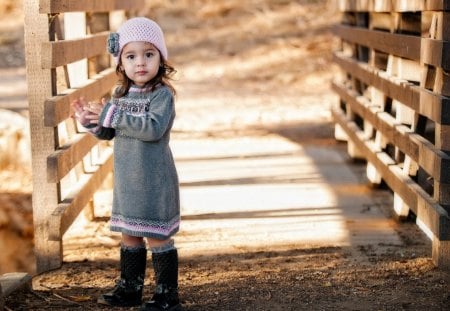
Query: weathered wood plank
{"points": [[57, 108], [408, 5], [437, 5], [66, 212], [441, 254], [60, 162], [436, 25], [61, 6], [441, 137], [381, 6], [381, 21], [435, 53], [404, 69], [431, 214], [60, 53], [434, 106], [397, 44], [45, 195]]}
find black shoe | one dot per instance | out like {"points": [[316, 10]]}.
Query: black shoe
{"points": [[128, 290], [123, 295], [164, 299]]}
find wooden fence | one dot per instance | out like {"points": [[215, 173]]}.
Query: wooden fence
{"points": [[394, 108], [65, 46]]}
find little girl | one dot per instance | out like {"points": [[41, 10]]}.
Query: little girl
{"points": [[146, 190]]}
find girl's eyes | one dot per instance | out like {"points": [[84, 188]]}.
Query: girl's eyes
{"points": [[148, 55]]}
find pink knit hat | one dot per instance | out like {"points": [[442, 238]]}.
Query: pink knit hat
{"points": [[136, 29]]}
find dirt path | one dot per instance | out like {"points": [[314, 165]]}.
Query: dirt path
{"points": [[253, 104]]}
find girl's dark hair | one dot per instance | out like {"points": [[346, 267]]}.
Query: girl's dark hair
{"points": [[163, 77]]}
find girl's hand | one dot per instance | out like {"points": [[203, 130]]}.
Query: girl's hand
{"points": [[78, 111], [87, 113], [94, 110]]}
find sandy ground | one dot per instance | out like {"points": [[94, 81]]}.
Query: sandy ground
{"points": [[253, 95]]}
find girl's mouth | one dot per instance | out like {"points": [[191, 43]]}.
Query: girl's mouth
{"points": [[141, 72]]}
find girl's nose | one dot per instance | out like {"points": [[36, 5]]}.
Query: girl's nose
{"points": [[140, 61]]}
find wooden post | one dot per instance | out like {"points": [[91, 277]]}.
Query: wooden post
{"points": [[441, 253], [40, 85]]}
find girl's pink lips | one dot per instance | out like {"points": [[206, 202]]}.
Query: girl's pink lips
{"points": [[142, 72]]}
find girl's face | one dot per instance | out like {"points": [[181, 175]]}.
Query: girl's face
{"points": [[141, 61]]}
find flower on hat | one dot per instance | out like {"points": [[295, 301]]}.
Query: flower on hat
{"points": [[113, 44]]}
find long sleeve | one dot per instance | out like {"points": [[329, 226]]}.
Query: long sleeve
{"points": [[101, 132], [147, 125]]}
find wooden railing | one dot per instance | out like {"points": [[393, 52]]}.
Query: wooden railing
{"points": [[65, 46], [394, 108]]}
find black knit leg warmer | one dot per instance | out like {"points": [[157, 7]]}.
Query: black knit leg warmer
{"points": [[165, 297], [128, 290]]}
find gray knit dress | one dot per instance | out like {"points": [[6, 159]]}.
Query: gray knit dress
{"points": [[146, 189]]}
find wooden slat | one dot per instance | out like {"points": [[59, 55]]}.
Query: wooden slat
{"points": [[57, 108], [61, 6], [431, 159], [381, 21], [441, 137], [66, 212], [408, 5], [60, 53], [436, 25], [433, 106], [435, 53], [427, 210], [390, 43], [63, 160], [437, 5], [382, 6]]}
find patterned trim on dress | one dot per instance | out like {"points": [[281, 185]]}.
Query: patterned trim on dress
{"points": [[115, 118], [139, 225]]}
